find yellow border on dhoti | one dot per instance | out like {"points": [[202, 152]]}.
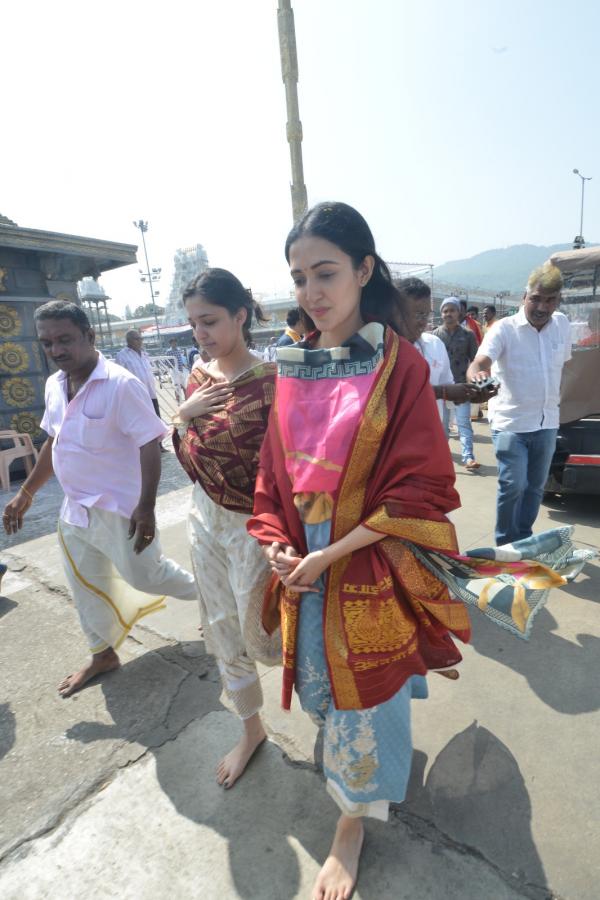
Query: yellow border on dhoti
{"points": [[155, 606]]}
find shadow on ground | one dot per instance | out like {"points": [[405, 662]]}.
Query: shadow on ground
{"points": [[475, 794], [567, 509], [564, 675], [7, 605], [8, 728]]}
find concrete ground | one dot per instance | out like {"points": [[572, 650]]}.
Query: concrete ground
{"points": [[110, 794]]}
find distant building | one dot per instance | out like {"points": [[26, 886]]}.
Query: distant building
{"points": [[188, 262]]}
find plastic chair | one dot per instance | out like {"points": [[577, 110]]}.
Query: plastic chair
{"points": [[22, 448]]}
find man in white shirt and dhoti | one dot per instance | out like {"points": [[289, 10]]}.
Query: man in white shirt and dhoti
{"points": [[103, 446]]}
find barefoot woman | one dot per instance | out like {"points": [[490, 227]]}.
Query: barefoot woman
{"points": [[354, 457], [219, 433]]}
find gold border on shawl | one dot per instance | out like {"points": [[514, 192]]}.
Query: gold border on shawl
{"points": [[440, 535], [348, 514]]}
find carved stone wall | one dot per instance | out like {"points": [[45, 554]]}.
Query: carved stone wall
{"points": [[23, 369]]}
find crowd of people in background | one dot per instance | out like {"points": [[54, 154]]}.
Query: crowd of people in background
{"points": [[322, 479]]}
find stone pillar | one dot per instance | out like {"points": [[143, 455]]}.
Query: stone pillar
{"points": [[289, 72]]}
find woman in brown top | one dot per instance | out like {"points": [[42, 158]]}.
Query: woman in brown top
{"points": [[220, 429]]}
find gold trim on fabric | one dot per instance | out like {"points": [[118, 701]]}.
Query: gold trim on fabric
{"points": [[519, 609], [342, 677], [385, 584], [348, 513], [541, 577], [423, 590], [484, 594], [154, 606], [440, 535], [376, 627], [289, 626], [364, 665], [314, 460]]}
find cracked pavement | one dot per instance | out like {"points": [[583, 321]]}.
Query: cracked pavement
{"points": [[111, 794]]}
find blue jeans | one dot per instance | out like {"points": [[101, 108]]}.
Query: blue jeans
{"points": [[523, 465], [465, 429]]}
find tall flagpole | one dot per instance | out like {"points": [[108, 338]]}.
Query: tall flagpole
{"points": [[289, 72]]}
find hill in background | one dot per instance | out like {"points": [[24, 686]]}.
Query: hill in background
{"points": [[506, 269]]}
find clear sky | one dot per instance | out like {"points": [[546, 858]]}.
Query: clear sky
{"points": [[452, 125]]}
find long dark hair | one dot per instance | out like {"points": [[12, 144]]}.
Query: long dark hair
{"points": [[343, 226], [222, 288]]}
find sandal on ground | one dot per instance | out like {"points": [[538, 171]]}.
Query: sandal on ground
{"points": [[471, 464]]}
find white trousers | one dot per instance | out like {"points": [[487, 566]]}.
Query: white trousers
{"points": [[113, 587], [232, 576]]}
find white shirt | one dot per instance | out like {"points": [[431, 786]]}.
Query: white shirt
{"points": [[528, 364], [97, 436], [139, 365], [434, 351]]}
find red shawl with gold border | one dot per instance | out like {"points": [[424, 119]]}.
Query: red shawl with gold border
{"points": [[386, 617], [220, 450]]}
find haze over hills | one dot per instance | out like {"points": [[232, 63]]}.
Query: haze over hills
{"points": [[505, 269]]}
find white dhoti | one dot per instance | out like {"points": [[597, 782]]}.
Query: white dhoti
{"points": [[113, 587], [232, 576]]}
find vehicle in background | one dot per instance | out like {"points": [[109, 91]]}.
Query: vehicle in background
{"points": [[575, 467]]}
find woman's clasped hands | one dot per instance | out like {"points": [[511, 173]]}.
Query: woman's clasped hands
{"points": [[297, 573]]}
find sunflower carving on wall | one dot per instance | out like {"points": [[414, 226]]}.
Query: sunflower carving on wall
{"points": [[18, 392], [13, 358], [26, 423], [10, 321]]}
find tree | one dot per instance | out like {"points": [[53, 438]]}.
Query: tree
{"points": [[142, 312]]}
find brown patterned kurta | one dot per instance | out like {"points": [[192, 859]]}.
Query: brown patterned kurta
{"points": [[220, 451]]}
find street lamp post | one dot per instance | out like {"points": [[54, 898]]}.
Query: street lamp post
{"points": [[150, 275], [579, 242]]}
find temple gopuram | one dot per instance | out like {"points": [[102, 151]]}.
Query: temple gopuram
{"points": [[37, 266]]}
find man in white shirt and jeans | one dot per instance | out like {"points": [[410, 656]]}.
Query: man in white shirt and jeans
{"points": [[526, 353]]}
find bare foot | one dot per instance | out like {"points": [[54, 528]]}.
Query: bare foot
{"points": [[100, 662], [337, 878], [234, 763]]}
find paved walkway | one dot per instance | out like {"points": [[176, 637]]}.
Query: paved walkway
{"points": [[110, 794]]}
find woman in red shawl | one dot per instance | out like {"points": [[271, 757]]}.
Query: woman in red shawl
{"points": [[220, 428], [354, 458]]}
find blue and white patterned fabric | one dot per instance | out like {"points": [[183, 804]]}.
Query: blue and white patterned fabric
{"points": [[367, 753]]}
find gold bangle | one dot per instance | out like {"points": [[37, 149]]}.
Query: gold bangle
{"points": [[26, 492]]}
